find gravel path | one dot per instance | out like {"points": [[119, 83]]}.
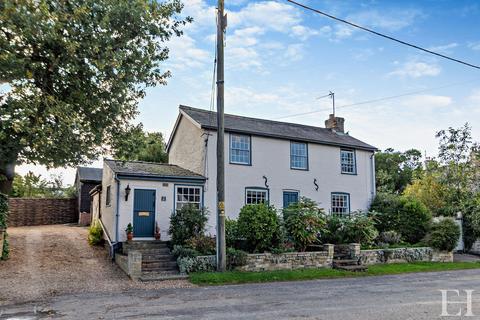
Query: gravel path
{"points": [[46, 261]]}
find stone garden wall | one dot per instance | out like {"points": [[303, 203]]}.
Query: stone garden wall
{"points": [[289, 261], [399, 255]]}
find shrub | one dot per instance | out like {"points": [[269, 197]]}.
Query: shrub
{"points": [[405, 215], [359, 228], [196, 264], [236, 258], [95, 234], [231, 232], [259, 225], [389, 237], [334, 230], [183, 252], [303, 221], [186, 223], [4, 251], [205, 245], [444, 235]]}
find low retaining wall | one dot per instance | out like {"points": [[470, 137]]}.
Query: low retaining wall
{"points": [[289, 261], [399, 255], [32, 212]]}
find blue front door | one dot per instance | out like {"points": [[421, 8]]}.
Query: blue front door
{"points": [[143, 213], [289, 197]]}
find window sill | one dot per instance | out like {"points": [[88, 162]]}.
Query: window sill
{"points": [[300, 169], [241, 164]]}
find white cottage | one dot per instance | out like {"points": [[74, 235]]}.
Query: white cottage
{"points": [[275, 162], [144, 194]]}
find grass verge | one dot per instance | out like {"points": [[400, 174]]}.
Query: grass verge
{"points": [[237, 277]]}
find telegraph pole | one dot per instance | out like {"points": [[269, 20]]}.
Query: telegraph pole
{"points": [[221, 250]]}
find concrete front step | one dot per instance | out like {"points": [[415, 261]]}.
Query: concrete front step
{"points": [[159, 269], [162, 276]]}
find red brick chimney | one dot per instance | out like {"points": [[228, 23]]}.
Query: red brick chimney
{"points": [[335, 123]]}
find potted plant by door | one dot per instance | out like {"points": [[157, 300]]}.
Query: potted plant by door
{"points": [[157, 231], [129, 232]]}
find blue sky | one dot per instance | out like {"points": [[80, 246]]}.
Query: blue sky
{"points": [[280, 58]]}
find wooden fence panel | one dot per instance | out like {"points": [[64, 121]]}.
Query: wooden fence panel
{"points": [[32, 212]]}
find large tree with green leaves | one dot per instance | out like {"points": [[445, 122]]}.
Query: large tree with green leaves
{"points": [[395, 169], [137, 144], [74, 72]]}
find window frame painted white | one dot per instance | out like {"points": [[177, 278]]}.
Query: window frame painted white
{"points": [[346, 201], [257, 190], [304, 156], [249, 150], [353, 162], [176, 202]]}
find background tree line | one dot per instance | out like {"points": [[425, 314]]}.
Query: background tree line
{"points": [[447, 185]]}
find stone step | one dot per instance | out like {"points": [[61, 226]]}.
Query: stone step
{"points": [[144, 245], [357, 268], [159, 264], [162, 276], [347, 262], [159, 269], [157, 258]]}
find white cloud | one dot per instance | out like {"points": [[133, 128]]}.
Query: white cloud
{"points": [[269, 15], [474, 45], [475, 96], [294, 52], [416, 69], [427, 101], [444, 48], [185, 54], [393, 20]]}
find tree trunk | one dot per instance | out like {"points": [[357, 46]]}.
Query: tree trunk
{"points": [[7, 173]]}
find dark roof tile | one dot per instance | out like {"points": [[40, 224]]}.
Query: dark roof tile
{"points": [[276, 129], [150, 169]]}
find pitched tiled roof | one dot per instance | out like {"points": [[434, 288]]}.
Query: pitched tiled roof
{"points": [[90, 174], [275, 129], [150, 169]]}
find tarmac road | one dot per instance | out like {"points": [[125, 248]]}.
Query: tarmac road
{"points": [[409, 296]]}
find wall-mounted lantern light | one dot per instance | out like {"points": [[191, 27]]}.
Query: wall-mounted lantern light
{"points": [[127, 192]]}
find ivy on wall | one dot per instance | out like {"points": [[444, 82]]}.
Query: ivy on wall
{"points": [[3, 225]]}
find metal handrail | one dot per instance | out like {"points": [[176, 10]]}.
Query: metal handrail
{"points": [[110, 245]]}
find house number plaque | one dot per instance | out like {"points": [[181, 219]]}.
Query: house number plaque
{"points": [[143, 214]]}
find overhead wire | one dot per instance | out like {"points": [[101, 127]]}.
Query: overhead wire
{"points": [[376, 100], [383, 35]]}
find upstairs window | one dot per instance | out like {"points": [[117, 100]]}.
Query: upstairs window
{"points": [[340, 203], [347, 158], [298, 155], [256, 196], [240, 149]]}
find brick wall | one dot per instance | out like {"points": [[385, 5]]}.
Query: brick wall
{"points": [[31, 212]]}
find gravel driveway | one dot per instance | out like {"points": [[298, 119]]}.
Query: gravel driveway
{"points": [[52, 260]]}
